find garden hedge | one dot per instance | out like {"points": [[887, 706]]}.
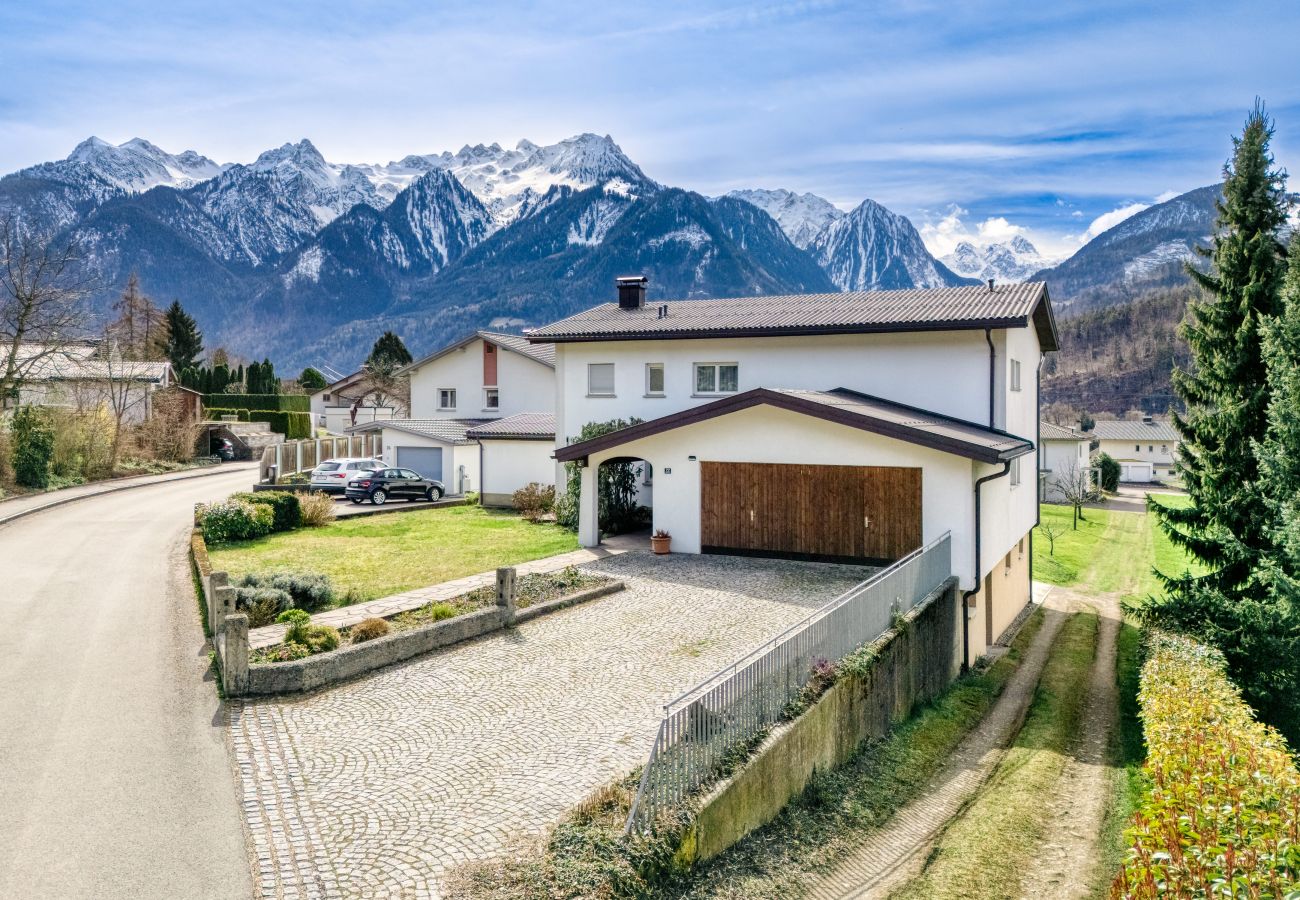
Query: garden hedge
{"points": [[1220, 815], [286, 511], [295, 426], [276, 402]]}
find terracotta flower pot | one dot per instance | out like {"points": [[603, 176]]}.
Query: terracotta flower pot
{"points": [[660, 545]]}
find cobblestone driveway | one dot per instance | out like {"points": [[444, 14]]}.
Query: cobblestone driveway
{"points": [[375, 788]]}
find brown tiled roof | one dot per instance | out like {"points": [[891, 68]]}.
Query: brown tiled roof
{"points": [[450, 431], [842, 406], [522, 426], [935, 309], [541, 352], [1048, 431], [1134, 431]]}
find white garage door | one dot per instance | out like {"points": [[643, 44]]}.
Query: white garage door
{"points": [[1135, 471], [425, 460]]}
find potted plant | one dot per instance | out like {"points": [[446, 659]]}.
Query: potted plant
{"points": [[660, 541]]}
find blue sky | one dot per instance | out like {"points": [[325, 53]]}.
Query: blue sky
{"points": [[1047, 115]]}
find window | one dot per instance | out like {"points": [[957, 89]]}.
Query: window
{"points": [[600, 379], [1015, 471], [491, 398], [654, 379], [1137, 448], [1006, 564], [1164, 448], [1015, 374], [717, 378], [446, 398], [1022, 546], [1150, 448]]}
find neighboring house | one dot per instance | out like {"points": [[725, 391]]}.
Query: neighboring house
{"points": [[331, 406], [486, 379], [854, 426], [83, 375], [1145, 450], [1062, 456], [516, 451], [436, 448]]}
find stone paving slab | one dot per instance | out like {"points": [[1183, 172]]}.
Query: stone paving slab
{"points": [[269, 635], [377, 787]]}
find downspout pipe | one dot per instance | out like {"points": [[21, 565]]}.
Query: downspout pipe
{"points": [[965, 597], [993, 368]]}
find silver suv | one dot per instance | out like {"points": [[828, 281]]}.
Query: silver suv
{"points": [[332, 476]]}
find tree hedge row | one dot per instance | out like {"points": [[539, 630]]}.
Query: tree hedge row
{"points": [[294, 426], [282, 402]]}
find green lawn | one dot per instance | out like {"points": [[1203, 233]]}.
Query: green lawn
{"points": [[375, 556], [1112, 551]]}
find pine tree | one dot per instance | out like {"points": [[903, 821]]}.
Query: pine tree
{"points": [[1226, 389], [390, 347], [312, 380], [184, 342]]}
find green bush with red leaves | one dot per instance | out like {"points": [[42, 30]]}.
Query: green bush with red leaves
{"points": [[1221, 813]]}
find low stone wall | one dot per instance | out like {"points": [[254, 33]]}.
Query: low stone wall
{"points": [[550, 606], [348, 662], [913, 664]]}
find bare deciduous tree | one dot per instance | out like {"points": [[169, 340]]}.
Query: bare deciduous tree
{"points": [[384, 387], [1051, 531], [1076, 487], [43, 293]]}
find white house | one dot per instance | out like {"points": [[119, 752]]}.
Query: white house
{"points": [[855, 426], [1145, 450], [1062, 456], [84, 375], [332, 406], [460, 390]]}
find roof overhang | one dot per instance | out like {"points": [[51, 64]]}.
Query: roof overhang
{"points": [[946, 443], [485, 336]]}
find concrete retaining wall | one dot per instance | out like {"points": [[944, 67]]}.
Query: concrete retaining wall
{"points": [[914, 663]]}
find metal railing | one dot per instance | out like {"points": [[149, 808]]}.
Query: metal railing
{"points": [[716, 719]]}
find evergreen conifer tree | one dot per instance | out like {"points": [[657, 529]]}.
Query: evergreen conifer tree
{"points": [[1226, 389], [389, 347], [312, 380], [184, 342]]}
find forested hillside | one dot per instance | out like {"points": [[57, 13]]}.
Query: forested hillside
{"points": [[1119, 358]]}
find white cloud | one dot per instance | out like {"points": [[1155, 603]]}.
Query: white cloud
{"points": [[942, 236], [1167, 195], [1109, 220]]}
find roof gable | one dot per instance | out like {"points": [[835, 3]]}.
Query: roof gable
{"points": [[539, 352], [842, 406], [1122, 430], [853, 312]]}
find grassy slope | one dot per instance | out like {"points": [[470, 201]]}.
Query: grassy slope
{"points": [[987, 848], [375, 556]]}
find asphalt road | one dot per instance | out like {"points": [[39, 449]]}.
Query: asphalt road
{"points": [[115, 780]]}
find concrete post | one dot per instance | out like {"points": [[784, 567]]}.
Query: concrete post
{"points": [[506, 593], [297, 462], [234, 657], [223, 607], [213, 583], [589, 509]]}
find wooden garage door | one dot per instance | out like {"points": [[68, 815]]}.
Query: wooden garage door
{"points": [[840, 512]]}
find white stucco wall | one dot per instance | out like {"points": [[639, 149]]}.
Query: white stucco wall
{"points": [[767, 435], [453, 456], [524, 385], [1159, 453], [1055, 460], [510, 465]]}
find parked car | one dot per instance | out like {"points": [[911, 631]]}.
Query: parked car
{"points": [[332, 475], [223, 449], [393, 484]]}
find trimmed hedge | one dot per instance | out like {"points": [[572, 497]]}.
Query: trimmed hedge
{"points": [[295, 426], [285, 509], [234, 520], [275, 402], [1221, 813]]}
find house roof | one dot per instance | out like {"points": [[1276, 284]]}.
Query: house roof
{"points": [[853, 312], [449, 431], [520, 427], [76, 367], [343, 383], [1114, 430], [1047, 431], [539, 352], [842, 406]]}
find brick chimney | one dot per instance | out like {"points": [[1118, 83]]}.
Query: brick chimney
{"points": [[631, 291]]}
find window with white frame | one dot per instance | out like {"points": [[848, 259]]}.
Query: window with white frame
{"points": [[654, 379], [1015, 471], [446, 398], [600, 379], [491, 398], [717, 378], [1015, 374]]}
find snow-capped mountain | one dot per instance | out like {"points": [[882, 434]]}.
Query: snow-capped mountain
{"points": [[1014, 260], [133, 166], [511, 182], [801, 216], [1146, 250], [872, 248]]}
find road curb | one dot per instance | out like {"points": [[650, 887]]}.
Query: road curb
{"points": [[111, 488]]}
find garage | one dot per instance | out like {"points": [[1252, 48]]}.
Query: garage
{"points": [[427, 461], [1133, 470], [849, 513]]}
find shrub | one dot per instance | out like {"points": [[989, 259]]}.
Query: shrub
{"points": [[286, 510], [1109, 472], [534, 500], [436, 612], [322, 638], [287, 652], [368, 630], [308, 590], [297, 622], [263, 604], [1221, 815], [316, 509], [234, 520], [33, 447]]}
